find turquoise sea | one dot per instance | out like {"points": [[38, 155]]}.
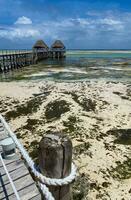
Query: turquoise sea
{"points": [[78, 65]]}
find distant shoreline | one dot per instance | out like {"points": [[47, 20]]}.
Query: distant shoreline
{"points": [[101, 50], [98, 49]]}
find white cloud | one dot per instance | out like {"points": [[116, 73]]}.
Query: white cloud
{"points": [[19, 33], [23, 20], [109, 27], [110, 21]]}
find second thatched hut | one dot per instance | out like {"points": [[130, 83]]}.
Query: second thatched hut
{"points": [[57, 49]]}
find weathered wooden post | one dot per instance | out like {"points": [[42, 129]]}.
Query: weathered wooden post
{"points": [[55, 158]]}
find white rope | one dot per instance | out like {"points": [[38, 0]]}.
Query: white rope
{"points": [[31, 164], [10, 179], [46, 192]]}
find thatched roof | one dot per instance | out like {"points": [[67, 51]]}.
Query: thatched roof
{"points": [[58, 44], [40, 44]]}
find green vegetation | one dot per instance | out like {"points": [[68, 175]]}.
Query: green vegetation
{"points": [[85, 103], [81, 148], [70, 124], [29, 107], [123, 170], [31, 124], [123, 136], [55, 109], [80, 187]]}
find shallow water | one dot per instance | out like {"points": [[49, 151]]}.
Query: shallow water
{"points": [[78, 65]]}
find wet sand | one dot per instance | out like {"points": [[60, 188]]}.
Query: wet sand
{"points": [[97, 118]]}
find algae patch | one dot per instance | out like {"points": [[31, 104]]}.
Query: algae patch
{"points": [[70, 124], [31, 124], [55, 109], [123, 170], [86, 103], [29, 107], [81, 148], [80, 187], [123, 136]]}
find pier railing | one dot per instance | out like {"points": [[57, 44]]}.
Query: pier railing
{"points": [[12, 52], [14, 59], [55, 162]]}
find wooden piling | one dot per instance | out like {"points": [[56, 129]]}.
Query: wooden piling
{"points": [[55, 158]]}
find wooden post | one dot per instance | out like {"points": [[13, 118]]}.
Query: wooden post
{"points": [[55, 158]]}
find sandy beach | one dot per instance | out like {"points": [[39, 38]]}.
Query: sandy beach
{"points": [[97, 118]]}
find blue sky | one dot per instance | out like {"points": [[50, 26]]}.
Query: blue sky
{"points": [[86, 24]]}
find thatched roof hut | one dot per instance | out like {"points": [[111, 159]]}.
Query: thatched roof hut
{"points": [[58, 44], [40, 44]]}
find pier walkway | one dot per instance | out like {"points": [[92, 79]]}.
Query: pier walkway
{"points": [[19, 174], [14, 59]]}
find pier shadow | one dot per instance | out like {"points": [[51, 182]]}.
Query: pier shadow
{"points": [[4, 188]]}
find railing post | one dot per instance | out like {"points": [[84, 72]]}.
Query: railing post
{"points": [[55, 158]]}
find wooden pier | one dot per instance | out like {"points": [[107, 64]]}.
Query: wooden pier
{"points": [[10, 60], [14, 59], [20, 175]]}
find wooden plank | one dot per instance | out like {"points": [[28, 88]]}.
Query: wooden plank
{"points": [[14, 159], [16, 174], [19, 173], [1, 127], [20, 184], [12, 166], [27, 193], [4, 191], [3, 135], [37, 197]]}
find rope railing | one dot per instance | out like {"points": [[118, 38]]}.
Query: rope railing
{"points": [[43, 180]]}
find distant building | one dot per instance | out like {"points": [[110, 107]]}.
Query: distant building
{"points": [[40, 50], [57, 49]]}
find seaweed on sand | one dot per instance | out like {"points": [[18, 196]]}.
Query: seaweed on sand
{"points": [[80, 187], [73, 129], [123, 170], [117, 93], [31, 124], [70, 124], [26, 108], [86, 103], [127, 97], [81, 148], [55, 109], [123, 136]]}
